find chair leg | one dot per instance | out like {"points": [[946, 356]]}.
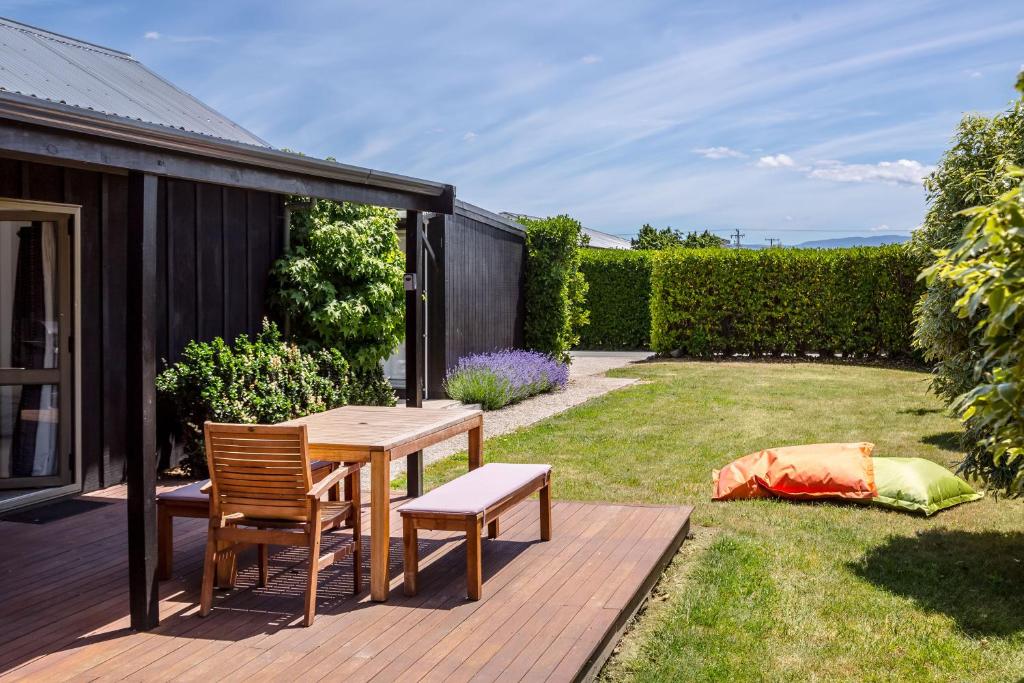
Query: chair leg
{"points": [[263, 564], [474, 564], [411, 552], [209, 572], [545, 512], [492, 529], [165, 543], [356, 522], [314, 570]]}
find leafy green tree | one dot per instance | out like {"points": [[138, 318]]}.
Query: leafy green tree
{"points": [[340, 287], [971, 173], [968, 321], [649, 238], [703, 240], [987, 269], [555, 290]]}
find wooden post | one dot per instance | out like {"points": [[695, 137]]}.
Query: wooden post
{"points": [[140, 366], [414, 340]]}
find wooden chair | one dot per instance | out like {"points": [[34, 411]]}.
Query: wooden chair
{"points": [[263, 493]]}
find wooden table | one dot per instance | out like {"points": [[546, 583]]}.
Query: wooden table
{"points": [[380, 435]]}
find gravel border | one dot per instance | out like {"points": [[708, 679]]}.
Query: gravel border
{"points": [[587, 380]]}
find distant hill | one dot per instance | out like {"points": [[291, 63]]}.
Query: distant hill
{"points": [[872, 241]]}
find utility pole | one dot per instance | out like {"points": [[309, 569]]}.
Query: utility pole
{"points": [[772, 240], [738, 235]]}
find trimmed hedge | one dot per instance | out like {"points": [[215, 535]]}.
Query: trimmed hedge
{"points": [[858, 302], [618, 299]]}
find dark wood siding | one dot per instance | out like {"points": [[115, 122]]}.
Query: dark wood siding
{"points": [[215, 246], [474, 291]]}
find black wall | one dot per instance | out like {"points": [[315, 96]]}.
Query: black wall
{"points": [[474, 288], [216, 245]]}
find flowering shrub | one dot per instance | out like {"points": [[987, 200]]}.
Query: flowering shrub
{"points": [[259, 381], [498, 379]]}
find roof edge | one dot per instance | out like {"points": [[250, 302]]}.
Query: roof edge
{"points": [[489, 217], [60, 36], [66, 118]]}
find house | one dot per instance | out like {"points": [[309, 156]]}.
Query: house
{"points": [[134, 218], [597, 239]]}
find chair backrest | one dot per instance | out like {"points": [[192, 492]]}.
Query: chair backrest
{"points": [[259, 471]]}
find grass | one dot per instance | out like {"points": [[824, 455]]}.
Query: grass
{"points": [[769, 590]]}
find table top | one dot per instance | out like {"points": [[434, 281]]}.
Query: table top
{"points": [[379, 428]]}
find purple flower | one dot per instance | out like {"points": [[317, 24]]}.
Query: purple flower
{"points": [[503, 377]]}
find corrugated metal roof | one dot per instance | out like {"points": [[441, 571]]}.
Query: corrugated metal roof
{"points": [[598, 239], [602, 240], [56, 68]]}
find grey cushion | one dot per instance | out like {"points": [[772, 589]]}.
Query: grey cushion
{"points": [[477, 490]]}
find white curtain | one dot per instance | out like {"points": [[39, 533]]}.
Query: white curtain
{"points": [[45, 461]]}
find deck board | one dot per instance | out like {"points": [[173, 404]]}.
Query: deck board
{"points": [[549, 610]]}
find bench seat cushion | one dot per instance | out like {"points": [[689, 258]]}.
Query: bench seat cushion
{"points": [[477, 490], [191, 493]]}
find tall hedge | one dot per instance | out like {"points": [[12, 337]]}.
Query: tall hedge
{"points": [[852, 301], [618, 298], [555, 289]]}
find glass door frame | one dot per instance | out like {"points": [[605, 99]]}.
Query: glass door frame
{"points": [[69, 477]]}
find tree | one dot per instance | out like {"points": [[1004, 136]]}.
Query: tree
{"points": [[341, 287], [969, 174], [970, 320], [651, 239], [704, 240]]}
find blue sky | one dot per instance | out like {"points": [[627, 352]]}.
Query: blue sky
{"points": [[784, 119]]}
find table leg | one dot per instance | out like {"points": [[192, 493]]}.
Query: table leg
{"points": [[476, 447], [380, 524]]}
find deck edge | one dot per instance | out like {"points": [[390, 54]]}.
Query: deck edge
{"points": [[603, 649]]}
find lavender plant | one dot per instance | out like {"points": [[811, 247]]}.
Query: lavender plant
{"points": [[495, 380]]}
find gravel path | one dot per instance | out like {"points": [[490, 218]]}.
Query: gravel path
{"points": [[586, 381]]}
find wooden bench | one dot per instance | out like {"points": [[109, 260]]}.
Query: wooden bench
{"points": [[467, 504], [193, 500]]}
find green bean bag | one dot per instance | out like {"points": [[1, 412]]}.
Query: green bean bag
{"points": [[919, 485]]}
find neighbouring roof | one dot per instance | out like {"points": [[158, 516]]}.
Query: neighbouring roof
{"points": [[598, 239], [63, 70]]}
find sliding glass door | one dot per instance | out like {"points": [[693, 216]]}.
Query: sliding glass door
{"points": [[35, 350]]}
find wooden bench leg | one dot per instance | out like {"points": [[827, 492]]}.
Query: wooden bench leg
{"points": [[545, 512], [263, 562], [474, 565], [355, 520], [492, 529], [351, 494], [409, 538], [165, 543]]}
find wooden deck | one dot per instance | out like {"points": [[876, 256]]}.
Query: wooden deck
{"points": [[550, 611]]}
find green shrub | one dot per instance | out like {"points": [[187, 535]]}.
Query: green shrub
{"points": [[618, 299], [723, 301], [340, 286], [260, 381], [555, 290], [987, 269]]}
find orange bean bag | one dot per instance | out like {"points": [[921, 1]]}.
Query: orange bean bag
{"points": [[825, 470]]}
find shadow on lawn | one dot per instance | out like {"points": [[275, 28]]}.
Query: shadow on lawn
{"points": [[949, 441], [972, 577]]}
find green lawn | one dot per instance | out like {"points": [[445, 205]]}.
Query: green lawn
{"points": [[769, 590]]}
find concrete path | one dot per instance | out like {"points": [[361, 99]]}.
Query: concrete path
{"points": [[587, 380]]}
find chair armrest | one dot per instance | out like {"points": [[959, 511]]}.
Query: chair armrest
{"points": [[331, 480]]}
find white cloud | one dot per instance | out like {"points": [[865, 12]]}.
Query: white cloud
{"points": [[156, 35], [590, 59], [152, 35], [775, 161], [469, 136], [719, 153], [880, 228], [901, 172]]}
